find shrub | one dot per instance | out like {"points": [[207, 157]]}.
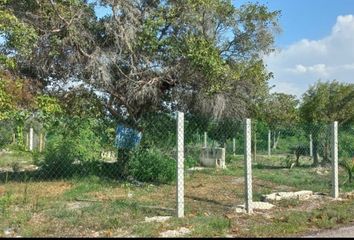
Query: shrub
{"points": [[5, 134], [75, 141], [151, 165], [190, 162]]}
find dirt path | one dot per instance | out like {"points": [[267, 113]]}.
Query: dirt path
{"points": [[340, 232]]}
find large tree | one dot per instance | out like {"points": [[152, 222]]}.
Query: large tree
{"points": [[322, 104], [201, 56]]}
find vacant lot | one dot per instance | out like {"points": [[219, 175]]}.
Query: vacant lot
{"points": [[93, 206]]}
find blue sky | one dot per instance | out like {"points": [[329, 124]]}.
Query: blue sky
{"points": [[310, 19], [316, 43]]}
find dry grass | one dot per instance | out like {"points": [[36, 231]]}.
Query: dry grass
{"points": [[118, 209]]}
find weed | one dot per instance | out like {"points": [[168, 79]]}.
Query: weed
{"points": [[288, 203], [5, 202]]}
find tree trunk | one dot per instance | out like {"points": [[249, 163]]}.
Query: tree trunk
{"points": [[297, 164], [350, 175], [326, 154], [276, 139]]}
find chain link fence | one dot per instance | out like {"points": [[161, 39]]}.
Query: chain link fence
{"points": [[170, 163]]}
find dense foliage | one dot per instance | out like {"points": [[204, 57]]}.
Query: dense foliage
{"points": [[74, 77]]}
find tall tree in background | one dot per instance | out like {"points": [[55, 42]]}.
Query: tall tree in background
{"points": [[279, 111], [322, 104], [202, 56]]}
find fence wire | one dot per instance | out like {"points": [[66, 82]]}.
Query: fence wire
{"points": [[130, 168]]}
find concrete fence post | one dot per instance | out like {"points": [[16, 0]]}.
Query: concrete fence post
{"points": [[43, 141], [248, 165], [269, 142], [311, 147], [255, 146], [31, 139], [205, 139], [40, 142], [234, 146], [27, 141], [335, 190], [180, 164]]}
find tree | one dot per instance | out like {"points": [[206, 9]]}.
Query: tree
{"points": [[20, 100], [322, 104], [198, 56], [279, 111]]}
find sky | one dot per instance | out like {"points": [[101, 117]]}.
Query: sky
{"points": [[316, 43]]}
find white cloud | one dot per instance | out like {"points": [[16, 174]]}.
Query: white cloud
{"points": [[301, 64]]}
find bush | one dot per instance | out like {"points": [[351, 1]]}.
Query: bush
{"points": [[5, 134], [73, 142], [190, 162], [151, 165]]}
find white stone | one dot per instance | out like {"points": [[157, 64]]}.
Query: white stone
{"points": [[175, 233], [157, 219], [300, 195], [77, 205], [254, 205], [196, 168], [9, 231]]}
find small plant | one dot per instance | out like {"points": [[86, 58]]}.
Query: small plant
{"points": [[190, 162], [37, 157], [5, 202], [289, 203], [290, 161], [348, 165], [15, 166]]}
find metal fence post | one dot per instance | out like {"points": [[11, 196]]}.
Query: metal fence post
{"points": [[248, 165], [335, 190], [180, 164], [269, 140]]}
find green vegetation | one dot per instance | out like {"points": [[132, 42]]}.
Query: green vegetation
{"points": [[151, 165], [72, 77], [90, 206]]}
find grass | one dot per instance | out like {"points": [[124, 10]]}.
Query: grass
{"points": [[93, 206]]}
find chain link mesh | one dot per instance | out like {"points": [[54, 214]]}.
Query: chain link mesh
{"points": [[166, 165]]}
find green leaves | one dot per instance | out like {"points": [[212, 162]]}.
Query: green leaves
{"points": [[280, 109], [141, 53], [19, 37], [327, 102], [152, 165]]}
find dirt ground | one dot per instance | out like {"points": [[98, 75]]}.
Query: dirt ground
{"points": [[340, 232]]}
